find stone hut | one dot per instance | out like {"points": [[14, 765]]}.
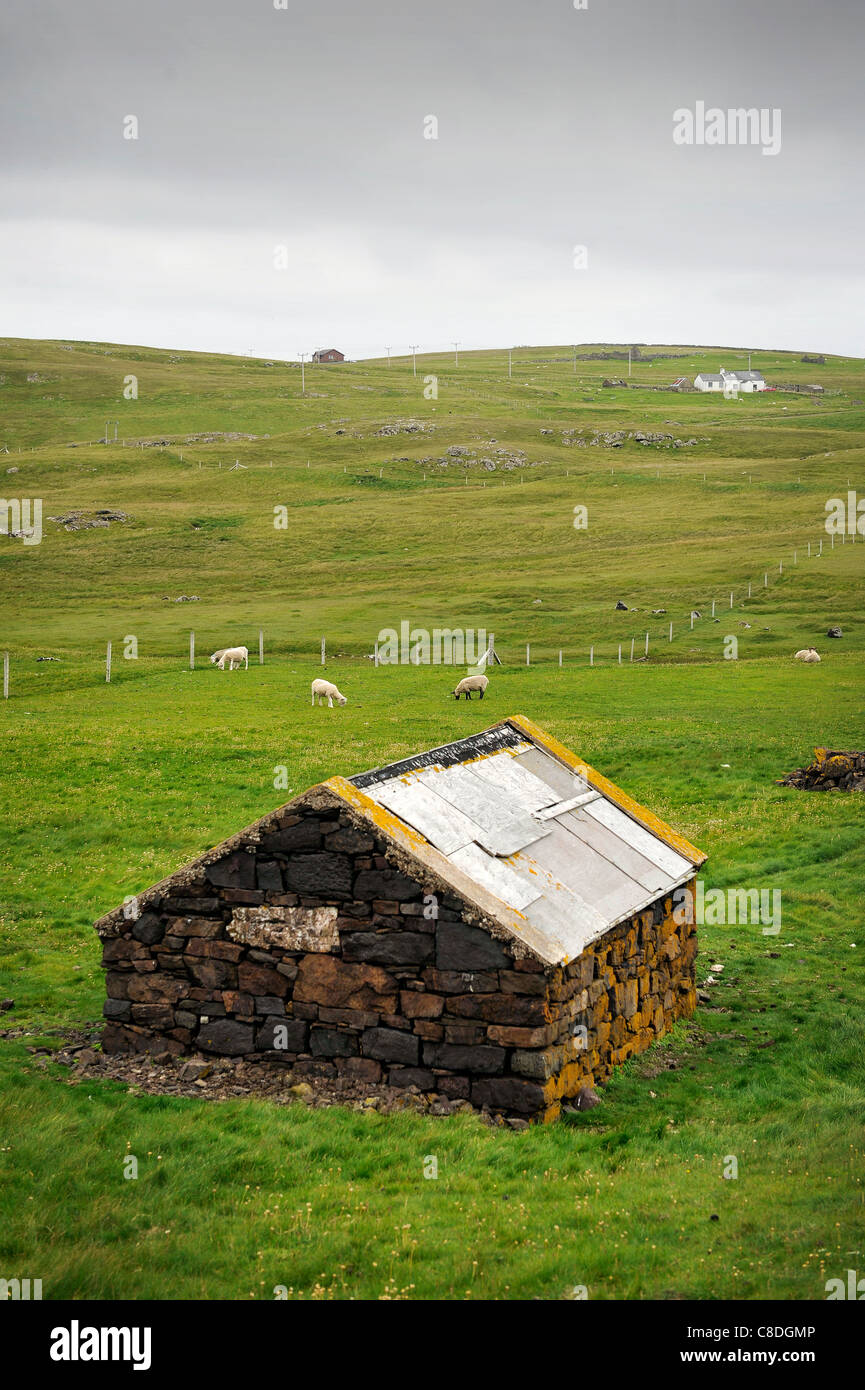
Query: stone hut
{"points": [[490, 920]]}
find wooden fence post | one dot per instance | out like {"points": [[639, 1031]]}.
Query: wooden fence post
{"points": [[671, 632], [322, 651], [528, 655], [5, 675], [108, 663], [591, 656], [261, 646], [192, 651]]}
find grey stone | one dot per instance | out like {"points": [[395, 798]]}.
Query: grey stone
{"points": [[323, 875], [388, 947], [268, 876], [330, 1042], [118, 1009], [227, 1036], [305, 835], [292, 1040], [235, 870], [481, 1059], [462, 948], [387, 884], [148, 929], [389, 1045]]}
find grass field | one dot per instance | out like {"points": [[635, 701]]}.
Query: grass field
{"points": [[109, 787]]}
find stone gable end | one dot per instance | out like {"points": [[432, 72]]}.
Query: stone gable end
{"points": [[312, 948]]}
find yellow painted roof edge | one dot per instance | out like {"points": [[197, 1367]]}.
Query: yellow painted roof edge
{"points": [[609, 789]]}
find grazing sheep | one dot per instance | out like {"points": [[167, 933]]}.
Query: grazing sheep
{"points": [[470, 683], [231, 655], [807, 654], [322, 688]]}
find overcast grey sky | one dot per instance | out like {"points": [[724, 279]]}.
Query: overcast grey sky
{"points": [[303, 128]]}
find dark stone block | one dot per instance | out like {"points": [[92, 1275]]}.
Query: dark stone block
{"points": [[149, 929], [387, 1045], [346, 840], [480, 1060], [226, 1036], [462, 981], [459, 947], [330, 1042], [119, 1009], [509, 1093], [195, 907], [389, 947], [213, 974], [268, 876], [385, 884], [411, 1076], [304, 835], [324, 874], [293, 1039], [269, 1004], [235, 870]]}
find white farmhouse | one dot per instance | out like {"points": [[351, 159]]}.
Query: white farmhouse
{"points": [[731, 383]]}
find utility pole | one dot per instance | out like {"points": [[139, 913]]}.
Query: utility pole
{"points": [[510, 367], [629, 361], [301, 355], [575, 359], [387, 350], [414, 348], [456, 354]]}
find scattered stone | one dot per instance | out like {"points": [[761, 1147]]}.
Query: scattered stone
{"points": [[302, 1091], [830, 771], [586, 1099]]}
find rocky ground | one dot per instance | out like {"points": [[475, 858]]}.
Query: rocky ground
{"points": [[226, 1078]]}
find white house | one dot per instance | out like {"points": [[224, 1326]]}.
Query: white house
{"points": [[731, 383]]}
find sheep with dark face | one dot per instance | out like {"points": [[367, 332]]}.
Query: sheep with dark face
{"points": [[470, 683]]}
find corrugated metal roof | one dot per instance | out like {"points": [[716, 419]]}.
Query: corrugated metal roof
{"points": [[531, 831]]}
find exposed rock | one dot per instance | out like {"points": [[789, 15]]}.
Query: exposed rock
{"points": [[830, 771]]}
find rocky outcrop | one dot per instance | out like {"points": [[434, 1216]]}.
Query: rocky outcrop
{"points": [[830, 771]]}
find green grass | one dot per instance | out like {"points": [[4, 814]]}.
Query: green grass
{"points": [[109, 787]]}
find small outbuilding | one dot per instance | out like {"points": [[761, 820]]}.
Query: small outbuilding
{"points": [[328, 355], [491, 920]]}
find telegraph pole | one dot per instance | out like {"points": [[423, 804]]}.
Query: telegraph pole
{"points": [[387, 350], [575, 359], [414, 348], [301, 355], [456, 354], [510, 369]]}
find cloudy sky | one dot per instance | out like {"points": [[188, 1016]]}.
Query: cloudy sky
{"points": [[282, 193]]}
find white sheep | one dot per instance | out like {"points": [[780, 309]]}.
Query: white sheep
{"points": [[322, 689], [807, 654], [231, 655], [470, 683]]}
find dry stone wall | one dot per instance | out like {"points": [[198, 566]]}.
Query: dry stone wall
{"points": [[311, 949]]}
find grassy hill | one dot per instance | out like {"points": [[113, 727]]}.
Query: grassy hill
{"points": [[111, 786]]}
